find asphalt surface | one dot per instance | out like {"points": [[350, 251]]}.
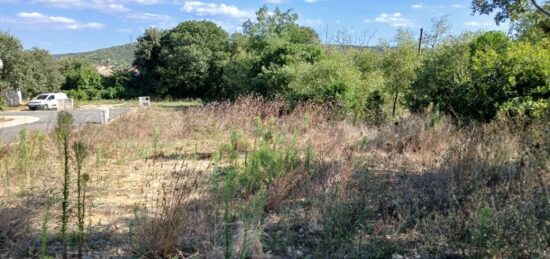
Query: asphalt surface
{"points": [[47, 119]]}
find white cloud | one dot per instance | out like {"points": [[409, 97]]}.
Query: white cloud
{"points": [[36, 19], [417, 6], [394, 19], [103, 5], [478, 24], [312, 1], [215, 10], [457, 6], [150, 17], [276, 1]]}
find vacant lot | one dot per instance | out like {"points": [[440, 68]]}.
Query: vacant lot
{"points": [[251, 180]]}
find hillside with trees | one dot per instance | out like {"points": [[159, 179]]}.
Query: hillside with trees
{"points": [[118, 56]]}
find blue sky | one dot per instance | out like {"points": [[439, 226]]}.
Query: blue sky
{"points": [[63, 26]]}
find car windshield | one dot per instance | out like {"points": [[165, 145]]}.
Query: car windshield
{"points": [[41, 97]]}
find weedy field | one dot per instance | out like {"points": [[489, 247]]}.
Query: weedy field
{"points": [[252, 180]]}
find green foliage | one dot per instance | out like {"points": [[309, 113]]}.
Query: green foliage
{"points": [[80, 151], [279, 24], [41, 72], [192, 58], [147, 59], [374, 107], [492, 40], [527, 67], [44, 232], [505, 9], [63, 130], [475, 79], [400, 64], [82, 82], [32, 71], [268, 45], [442, 77], [334, 79], [533, 26], [10, 53]]}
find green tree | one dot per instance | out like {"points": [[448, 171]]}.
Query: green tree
{"points": [[147, 58], [334, 79], [491, 40], [533, 26], [192, 59], [441, 30], [279, 24], [400, 64], [268, 44], [507, 9], [527, 81], [82, 81], [10, 53], [442, 77], [41, 72]]}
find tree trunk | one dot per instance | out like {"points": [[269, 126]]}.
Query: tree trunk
{"points": [[395, 101]]}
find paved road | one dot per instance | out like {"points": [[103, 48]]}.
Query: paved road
{"points": [[47, 120]]}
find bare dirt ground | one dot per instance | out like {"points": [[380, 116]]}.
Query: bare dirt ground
{"points": [[124, 178]]}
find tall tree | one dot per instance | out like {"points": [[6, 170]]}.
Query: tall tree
{"points": [[192, 59], [274, 40], [42, 72], [10, 53], [441, 29], [507, 9], [146, 60], [533, 25], [400, 65]]}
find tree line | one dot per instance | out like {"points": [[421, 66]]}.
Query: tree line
{"points": [[471, 76]]}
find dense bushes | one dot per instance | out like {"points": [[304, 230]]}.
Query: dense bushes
{"points": [[475, 79], [471, 77]]}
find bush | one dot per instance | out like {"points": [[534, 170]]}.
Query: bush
{"points": [[334, 80]]}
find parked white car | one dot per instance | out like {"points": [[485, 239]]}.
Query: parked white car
{"points": [[46, 101]]}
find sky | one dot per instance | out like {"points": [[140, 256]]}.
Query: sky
{"points": [[67, 26]]}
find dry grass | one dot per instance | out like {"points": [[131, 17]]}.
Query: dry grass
{"points": [[410, 188]]}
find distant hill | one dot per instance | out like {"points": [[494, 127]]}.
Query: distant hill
{"points": [[122, 55]]}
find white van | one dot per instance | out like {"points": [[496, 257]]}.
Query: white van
{"points": [[46, 101]]}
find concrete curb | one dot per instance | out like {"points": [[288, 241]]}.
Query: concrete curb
{"points": [[17, 120]]}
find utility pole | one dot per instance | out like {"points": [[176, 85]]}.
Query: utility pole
{"points": [[420, 40]]}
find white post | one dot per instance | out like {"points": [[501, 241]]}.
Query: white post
{"points": [[144, 102], [65, 104], [105, 115]]}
